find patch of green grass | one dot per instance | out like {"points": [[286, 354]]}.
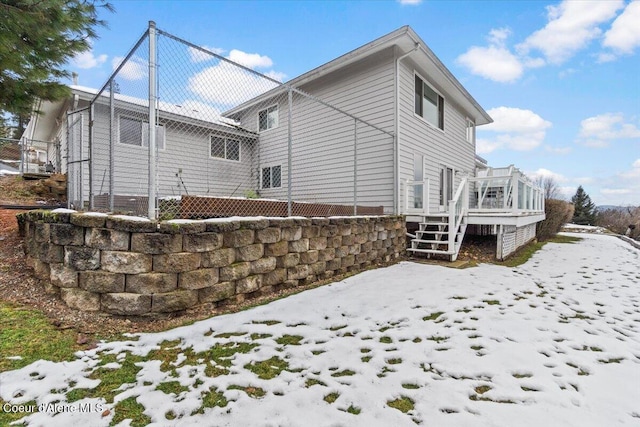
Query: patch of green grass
{"points": [[230, 334], [170, 415], [410, 386], [491, 301], [365, 350], [317, 352], [366, 359], [260, 336], [289, 340], [611, 360], [458, 297], [130, 409], [394, 361], [331, 397], [337, 328], [253, 392], [110, 380], [265, 322], [385, 371], [345, 373], [482, 389], [353, 410], [476, 347], [210, 399], [384, 329], [437, 339], [267, 369], [564, 239], [528, 388], [27, 333], [403, 404], [7, 417], [312, 381], [521, 375], [386, 340], [171, 387], [433, 316], [416, 340]]}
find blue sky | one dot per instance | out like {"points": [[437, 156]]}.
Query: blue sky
{"points": [[560, 79]]}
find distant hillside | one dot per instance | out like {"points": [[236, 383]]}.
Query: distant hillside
{"points": [[613, 208]]}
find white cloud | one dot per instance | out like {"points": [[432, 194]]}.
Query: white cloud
{"points": [[624, 34], [409, 2], [276, 75], [515, 129], [485, 146], [558, 150], [494, 62], [571, 26], [599, 130], [250, 60], [226, 85], [546, 173], [636, 164], [135, 68], [615, 191], [87, 60], [197, 55]]}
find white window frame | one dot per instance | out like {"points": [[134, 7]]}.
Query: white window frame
{"points": [[440, 107], [144, 134], [446, 191], [262, 187], [226, 140], [471, 131], [277, 121]]}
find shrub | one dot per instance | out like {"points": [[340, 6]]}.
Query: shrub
{"points": [[618, 220], [558, 213]]}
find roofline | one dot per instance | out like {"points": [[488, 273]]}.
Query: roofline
{"points": [[360, 53]]}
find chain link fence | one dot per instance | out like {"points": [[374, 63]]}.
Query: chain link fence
{"points": [[30, 156], [225, 141]]}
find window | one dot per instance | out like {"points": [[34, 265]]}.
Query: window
{"points": [[136, 132], [471, 131], [429, 104], [225, 148], [268, 119], [271, 177]]}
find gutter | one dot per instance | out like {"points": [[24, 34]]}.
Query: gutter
{"points": [[396, 148]]}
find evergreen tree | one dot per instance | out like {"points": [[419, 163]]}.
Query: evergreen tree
{"points": [[37, 38], [584, 209]]}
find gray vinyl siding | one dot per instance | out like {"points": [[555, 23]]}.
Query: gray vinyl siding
{"points": [[323, 138], [186, 155], [448, 148]]}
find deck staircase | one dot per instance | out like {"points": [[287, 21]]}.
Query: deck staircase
{"points": [[436, 236], [442, 233]]}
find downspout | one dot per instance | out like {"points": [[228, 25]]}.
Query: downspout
{"points": [[396, 148]]}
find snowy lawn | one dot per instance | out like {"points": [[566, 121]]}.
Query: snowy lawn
{"points": [[555, 342]]}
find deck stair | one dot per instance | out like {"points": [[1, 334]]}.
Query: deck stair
{"points": [[433, 236]]}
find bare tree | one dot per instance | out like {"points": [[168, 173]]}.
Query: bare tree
{"points": [[550, 186]]}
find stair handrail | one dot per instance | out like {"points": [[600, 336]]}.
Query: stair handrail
{"points": [[458, 207]]}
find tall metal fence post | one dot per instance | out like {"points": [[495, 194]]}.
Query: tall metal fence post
{"points": [[112, 140], [91, 119], [355, 166], [152, 120], [289, 154]]}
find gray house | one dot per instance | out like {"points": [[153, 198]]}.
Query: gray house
{"points": [[385, 125]]}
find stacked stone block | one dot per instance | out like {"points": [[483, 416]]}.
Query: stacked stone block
{"points": [[127, 266]]}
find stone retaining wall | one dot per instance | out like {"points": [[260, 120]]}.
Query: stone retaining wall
{"points": [[133, 266]]}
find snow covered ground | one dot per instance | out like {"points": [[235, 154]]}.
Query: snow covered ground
{"points": [[555, 342]]}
